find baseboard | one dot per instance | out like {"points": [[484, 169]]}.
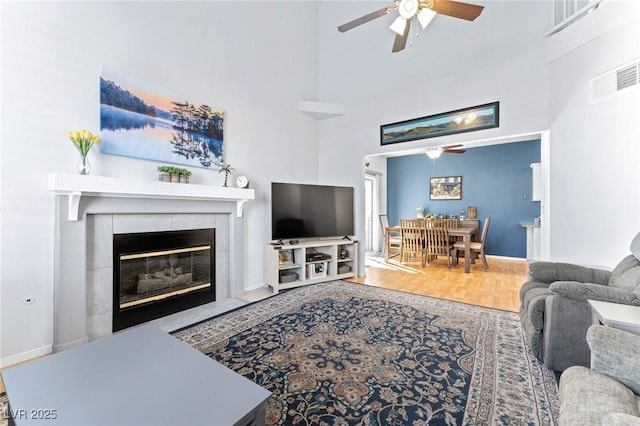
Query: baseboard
{"points": [[25, 356], [64, 347], [255, 287], [506, 257]]}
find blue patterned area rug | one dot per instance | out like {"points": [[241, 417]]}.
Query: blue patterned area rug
{"points": [[4, 409], [348, 354]]}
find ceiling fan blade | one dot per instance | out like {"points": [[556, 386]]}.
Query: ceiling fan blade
{"points": [[364, 19], [401, 40], [454, 151], [452, 146], [457, 9]]}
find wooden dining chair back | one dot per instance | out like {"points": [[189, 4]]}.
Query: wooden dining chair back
{"points": [[413, 239], [451, 223], [392, 242], [477, 247], [384, 222], [438, 243]]}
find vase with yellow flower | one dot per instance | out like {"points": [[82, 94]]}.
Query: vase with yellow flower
{"points": [[83, 140]]}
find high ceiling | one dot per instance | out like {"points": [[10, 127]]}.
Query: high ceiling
{"points": [[359, 63]]}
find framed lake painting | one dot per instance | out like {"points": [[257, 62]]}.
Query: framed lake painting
{"points": [[470, 119], [141, 120], [445, 188]]}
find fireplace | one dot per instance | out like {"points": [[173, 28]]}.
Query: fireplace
{"points": [[160, 273]]}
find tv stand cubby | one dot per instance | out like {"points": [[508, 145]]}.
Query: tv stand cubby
{"points": [[308, 262]]}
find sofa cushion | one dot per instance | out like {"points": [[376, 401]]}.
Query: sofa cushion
{"points": [[628, 263], [629, 280], [587, 396]]}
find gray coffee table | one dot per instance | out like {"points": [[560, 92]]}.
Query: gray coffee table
{"points": [[141, 376]]}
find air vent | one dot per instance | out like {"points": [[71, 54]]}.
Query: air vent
{"points": [[612, 82], [627, 76]]}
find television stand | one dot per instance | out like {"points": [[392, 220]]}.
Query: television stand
{"points": [[308, 262]]}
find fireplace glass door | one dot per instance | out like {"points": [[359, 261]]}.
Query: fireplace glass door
{"points": [[153, 276], [162, 272]]}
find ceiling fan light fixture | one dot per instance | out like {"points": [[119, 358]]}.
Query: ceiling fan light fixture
{"points": [[425, 16], [399, 25], [433, 153], [408, 8]]}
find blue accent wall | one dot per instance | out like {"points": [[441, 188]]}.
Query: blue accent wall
{"points": [[497, 179]]}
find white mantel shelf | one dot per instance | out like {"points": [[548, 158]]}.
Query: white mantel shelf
{"points": [[77, 186]]}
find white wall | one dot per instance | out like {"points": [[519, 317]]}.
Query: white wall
{"points": [[595, 148], [250, 58], [451, 65]]}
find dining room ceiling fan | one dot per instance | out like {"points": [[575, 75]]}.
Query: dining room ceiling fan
{"points": [[422, 10], [436, 152]]}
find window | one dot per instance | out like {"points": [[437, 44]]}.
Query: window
{"points": [[567, 12]]}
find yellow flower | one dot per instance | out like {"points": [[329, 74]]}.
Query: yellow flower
{"points": [[83, 140]]}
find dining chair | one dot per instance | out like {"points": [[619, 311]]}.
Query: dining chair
{"points": [[437, 241], [451, 223], [392, 240], [476, 246], [412, 232]]}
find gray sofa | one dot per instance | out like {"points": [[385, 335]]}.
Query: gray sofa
{"points": [[607, 393], [554, 311]]}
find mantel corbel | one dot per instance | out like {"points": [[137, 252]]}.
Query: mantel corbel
{"points": [[74, 204]]}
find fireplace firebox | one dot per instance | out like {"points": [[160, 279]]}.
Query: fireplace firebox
{"points": [[160, 273]]}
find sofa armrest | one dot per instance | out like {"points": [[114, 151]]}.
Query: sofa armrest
{"points": [[584, 291], [615, 353], [549, 272]]}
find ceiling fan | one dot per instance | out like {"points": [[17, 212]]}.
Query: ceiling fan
{"points": [[423, 10], [436, 152]]}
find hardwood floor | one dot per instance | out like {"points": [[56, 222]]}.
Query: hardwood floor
{"points": [[498, 287]]}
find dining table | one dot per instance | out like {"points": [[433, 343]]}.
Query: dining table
{"points": [[466, 232]]}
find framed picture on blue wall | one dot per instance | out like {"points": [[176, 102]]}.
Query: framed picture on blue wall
{"points": [[463, 120], [445, 188]]}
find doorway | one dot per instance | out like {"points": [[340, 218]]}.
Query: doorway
{"points": [[371, 185]]}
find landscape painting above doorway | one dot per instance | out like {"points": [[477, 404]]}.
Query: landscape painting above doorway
{"points": [[138, 119], [469, 119]]}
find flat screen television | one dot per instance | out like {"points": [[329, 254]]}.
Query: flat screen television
{"points": [[311, 211]]}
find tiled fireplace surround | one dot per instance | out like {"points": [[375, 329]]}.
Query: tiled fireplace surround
{"points": [[99, 273], [83, 289]]}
